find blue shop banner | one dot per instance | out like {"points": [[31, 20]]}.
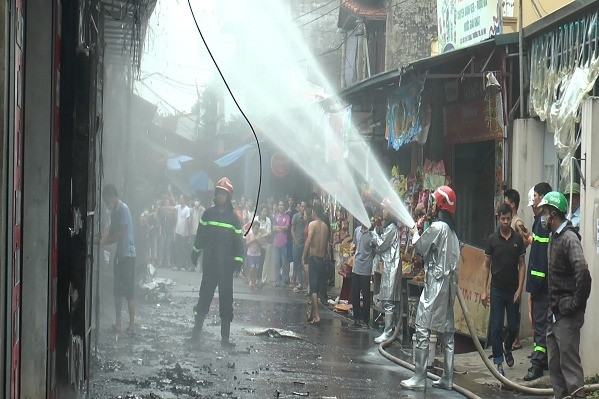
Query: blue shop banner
{"points": [[404, 120]]}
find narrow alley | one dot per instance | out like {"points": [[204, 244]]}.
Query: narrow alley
{"points": [[332, 360]]}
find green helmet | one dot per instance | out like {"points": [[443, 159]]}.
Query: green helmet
{"points": [[556, 200]]}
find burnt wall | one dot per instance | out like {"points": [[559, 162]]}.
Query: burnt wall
{"points": [[410, 28]]}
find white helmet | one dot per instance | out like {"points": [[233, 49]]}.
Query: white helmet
{"points": [[531, 196]]}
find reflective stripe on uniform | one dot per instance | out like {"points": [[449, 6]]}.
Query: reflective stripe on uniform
{"points": [[539, 348], [539, 238], [197, 250], [537, 273], [220, 224], [238, 259]]}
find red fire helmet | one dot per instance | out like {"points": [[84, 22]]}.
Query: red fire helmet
{"points": [[445, 199], [225, 184]]}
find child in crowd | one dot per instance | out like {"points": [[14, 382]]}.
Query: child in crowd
{"points": [[254, 249]]}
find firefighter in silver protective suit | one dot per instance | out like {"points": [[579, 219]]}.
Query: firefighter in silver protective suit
{"points": [[440, 251], [387, 246]]}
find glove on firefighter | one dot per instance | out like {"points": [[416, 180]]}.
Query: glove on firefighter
{"points": [[414, 233]]}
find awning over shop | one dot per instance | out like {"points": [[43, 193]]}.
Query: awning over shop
{"points": [[385, 79]]}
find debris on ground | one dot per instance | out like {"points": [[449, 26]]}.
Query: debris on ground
{"points": [[273, 333], [150, 396], [155, 289]]}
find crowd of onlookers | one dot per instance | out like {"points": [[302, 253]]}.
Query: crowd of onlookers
{"points": [[274, 242], [168, 229]]}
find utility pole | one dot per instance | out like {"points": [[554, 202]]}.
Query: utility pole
{"points": [[521, 56]]}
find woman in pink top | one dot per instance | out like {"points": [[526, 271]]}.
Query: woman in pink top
{"points": [[254, 250], [280, 227]]}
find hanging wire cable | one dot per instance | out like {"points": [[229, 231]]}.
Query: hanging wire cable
{"points": [[238, 107], [345, 2], [536, 8], [337, 47], [124, 12], [315, 9], [540, 4], [323, 15]]}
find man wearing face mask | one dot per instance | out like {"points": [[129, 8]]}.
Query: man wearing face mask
{"points": [[536, 285], [440, 249], [569, 288]]}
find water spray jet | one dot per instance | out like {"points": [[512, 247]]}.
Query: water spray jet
{"points": [[278, 100]]}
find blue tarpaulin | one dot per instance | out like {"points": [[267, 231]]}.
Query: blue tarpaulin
{"points": [[175, 162], [403, 114], [199, 181], [232, 156]]}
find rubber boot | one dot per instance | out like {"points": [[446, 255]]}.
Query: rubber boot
{"points": [[197, 327], [418, 381], [388, 331], [225, 331], [446, 380]]}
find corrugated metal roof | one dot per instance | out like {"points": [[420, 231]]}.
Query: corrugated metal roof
{"points": [[125, 25], [391, 76]]}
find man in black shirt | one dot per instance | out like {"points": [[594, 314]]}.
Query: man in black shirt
{"points": [[505, 260]]}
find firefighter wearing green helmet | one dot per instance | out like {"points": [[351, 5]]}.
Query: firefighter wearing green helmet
{"points": [[569, 288], [536, 283]]}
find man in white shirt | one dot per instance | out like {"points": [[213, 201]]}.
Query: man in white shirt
{"points": [[182, 234], [572, 194], [196, 214]]}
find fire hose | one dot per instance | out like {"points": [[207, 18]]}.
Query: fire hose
{"points": [[468, 394]]}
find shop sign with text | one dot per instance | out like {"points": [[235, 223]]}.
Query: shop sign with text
{"points": [[461, 23]]}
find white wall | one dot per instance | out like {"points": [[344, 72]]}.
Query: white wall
{"points": [[589, 230], [527, 159], [534, 160]]}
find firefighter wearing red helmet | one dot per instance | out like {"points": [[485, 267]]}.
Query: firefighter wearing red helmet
{"points": [[445, 199], [440, 250], [219, 238]]}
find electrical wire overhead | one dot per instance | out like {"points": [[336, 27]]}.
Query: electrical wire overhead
{"points": [[323, 15], [238, 107], [315, 9]]}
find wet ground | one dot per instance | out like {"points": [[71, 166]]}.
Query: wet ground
{"points": [[332, 360]]}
